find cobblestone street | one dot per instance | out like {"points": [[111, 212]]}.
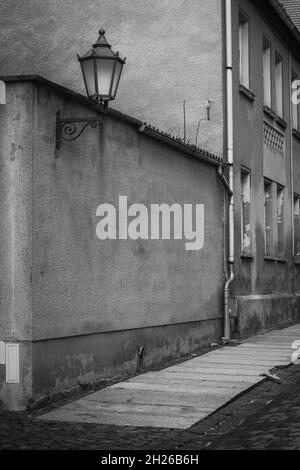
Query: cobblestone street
{"points": [[266, 417]]}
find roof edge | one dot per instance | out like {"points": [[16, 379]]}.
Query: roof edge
{"points": [[141, 127], [286, 18]]}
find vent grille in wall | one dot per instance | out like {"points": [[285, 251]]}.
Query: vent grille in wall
{"points": [[273, 138]]}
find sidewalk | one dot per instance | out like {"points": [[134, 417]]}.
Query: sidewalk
{"points": [[181, 395]]}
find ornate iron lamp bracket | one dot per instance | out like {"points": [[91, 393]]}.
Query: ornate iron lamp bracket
{"points": [[71, 128]]}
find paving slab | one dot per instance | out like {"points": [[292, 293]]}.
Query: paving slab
{"points": [[180, 395], [204, 370], [152, 396], [201, 387], [121, 419], [157, 409], [265, 346], [192, 377], [259, 351]]}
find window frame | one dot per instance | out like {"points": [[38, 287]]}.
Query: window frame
{"points": [[267, 47], [279, 87], [246, 215], [296, 221], [269, 236], [280, 226], [295, 107], [244, 65]]}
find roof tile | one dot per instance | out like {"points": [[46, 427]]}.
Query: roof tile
{"points": [[292, 8]]}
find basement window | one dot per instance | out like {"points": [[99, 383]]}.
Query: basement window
{"points": [[245, 212], [244, 50], [279, 84], [268, 218], [280, 221], [267, 73]]}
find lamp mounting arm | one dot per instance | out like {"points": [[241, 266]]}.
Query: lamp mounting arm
{"points": [[71, 128]]}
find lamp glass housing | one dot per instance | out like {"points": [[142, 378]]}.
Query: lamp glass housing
{"points": [[101, 69]]}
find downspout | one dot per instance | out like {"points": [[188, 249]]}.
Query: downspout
{"points": [[229, 106], [292, 164]]}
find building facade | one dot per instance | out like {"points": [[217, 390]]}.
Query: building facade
{"points": [[266, 164], [75, 309]]}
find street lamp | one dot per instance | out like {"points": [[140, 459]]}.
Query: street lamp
{"points": [[101, 69]]}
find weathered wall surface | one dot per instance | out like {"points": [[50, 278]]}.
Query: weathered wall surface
{"points": [[83, 285], [296, 158], [70, 299], [264, 311], [63, 364], [296, 139], [15, 396], [15, 237], [15, 213], [162, 40]]}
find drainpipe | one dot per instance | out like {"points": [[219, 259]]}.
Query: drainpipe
{"points": [[229, 106], [292, 162]]}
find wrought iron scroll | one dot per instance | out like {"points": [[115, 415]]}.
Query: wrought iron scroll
{"points": [[72, 128]]}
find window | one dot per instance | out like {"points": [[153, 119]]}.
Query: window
{"points": [[297, 225], [267, 73], [245, 212], [268, 216], [295, 108], [280, 221], [244, 50], [274, 219], [279, 84]]}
